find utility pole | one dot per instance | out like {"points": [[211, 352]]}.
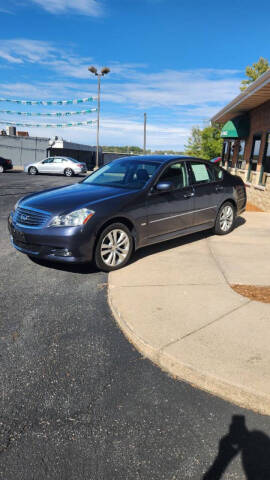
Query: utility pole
{"points": [[144, 134], [98, 113], [103, 72]]}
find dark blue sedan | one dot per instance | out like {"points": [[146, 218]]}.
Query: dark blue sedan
{"points": [[123, 206]]}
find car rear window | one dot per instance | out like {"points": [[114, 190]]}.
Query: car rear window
{"points": [[200, 172], [72, 160]]}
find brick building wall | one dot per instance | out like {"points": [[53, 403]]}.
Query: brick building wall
{"points": [[259, 125]]}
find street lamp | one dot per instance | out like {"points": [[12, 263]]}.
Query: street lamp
{"points": [[103, 72]]}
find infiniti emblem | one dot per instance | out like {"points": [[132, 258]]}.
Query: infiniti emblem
{"points": [[24, 217]]}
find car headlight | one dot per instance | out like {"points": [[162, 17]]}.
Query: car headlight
{"points": [[73, 219]]}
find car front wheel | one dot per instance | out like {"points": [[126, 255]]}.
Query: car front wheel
{"points": [[114, 247], [32, 171], [225, 220]]}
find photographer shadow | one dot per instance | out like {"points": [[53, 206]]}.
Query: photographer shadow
{"points": [[252, 446]]}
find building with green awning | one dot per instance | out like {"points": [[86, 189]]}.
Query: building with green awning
{"points": [[238, 127], [245, 128]]}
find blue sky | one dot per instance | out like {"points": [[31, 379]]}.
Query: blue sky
{"points": [[178, 61]]}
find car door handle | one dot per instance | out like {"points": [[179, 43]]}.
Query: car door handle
{"points": [[219, 188], [188, 195]]}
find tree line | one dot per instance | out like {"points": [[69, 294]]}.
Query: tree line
{"points": [[133, 150]]}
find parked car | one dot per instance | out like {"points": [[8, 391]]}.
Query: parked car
{"points": [[59, 165], [5, 164], [128, 204]]}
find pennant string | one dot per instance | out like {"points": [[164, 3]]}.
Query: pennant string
{"points": [[50, 114], [49, 102], [49, 125]]}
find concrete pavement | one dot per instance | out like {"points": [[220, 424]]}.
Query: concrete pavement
{"points": [[175, 304]]}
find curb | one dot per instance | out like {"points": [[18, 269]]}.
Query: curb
{"points": [[233, 393]]}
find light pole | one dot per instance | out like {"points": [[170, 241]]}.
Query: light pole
{"points": [[100, 74], [144, 133]]}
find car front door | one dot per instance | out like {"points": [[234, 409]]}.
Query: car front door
{"points": [[171, 211], [206, 192], [44, 166]]}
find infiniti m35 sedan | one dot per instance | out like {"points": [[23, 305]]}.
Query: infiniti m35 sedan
{"points": [[126, 205]]}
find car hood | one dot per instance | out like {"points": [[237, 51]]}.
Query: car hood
{"points": [[72, 197]]}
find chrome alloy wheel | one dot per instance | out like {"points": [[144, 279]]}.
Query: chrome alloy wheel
{"points": [[68, 172], [226, 218], [115, 247]]}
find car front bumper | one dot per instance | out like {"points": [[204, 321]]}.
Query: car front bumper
{"points": [[60, 244]]}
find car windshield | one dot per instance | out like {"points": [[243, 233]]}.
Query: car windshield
{"points": [[129, 174]]}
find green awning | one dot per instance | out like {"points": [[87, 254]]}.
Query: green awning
{"points": [[238, 127]]}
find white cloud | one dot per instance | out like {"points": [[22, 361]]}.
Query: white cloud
{"points": [[130, 83], [5, 10], [173, 89], [22, 50], [84, 7], [119, 131]]}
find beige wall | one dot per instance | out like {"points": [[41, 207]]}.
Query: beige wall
{"points": [[256, 194]]}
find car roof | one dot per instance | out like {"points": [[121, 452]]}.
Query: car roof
{"points": [[161, 158]]}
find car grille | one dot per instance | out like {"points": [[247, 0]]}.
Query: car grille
{"points": [[31, 218]]}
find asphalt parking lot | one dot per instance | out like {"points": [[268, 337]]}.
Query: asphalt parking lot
{"points": [[78, 401]]}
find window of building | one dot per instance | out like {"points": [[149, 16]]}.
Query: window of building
{"points": [[230, 153], [266, 161], [254, 157], [240, 163], [224, 152]]}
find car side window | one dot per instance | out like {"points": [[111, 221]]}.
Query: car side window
{"points": [[48, 160], [201, 173], [176, 174], [217, 173], [57, 160]]}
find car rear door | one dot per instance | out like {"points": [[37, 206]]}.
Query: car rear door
{"points": [[171, 211], [207, 192], [57, 165]]}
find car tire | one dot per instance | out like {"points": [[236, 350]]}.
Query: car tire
{"points": [[68, 172], [225, 221], [114, 247], [1, 169], [32, 171]]}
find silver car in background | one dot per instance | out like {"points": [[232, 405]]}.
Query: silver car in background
{"points": [[59, 165]]}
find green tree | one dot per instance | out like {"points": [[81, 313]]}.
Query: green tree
{"points": [[194, 144], [211, 142], [204, 143], [255, 71]]}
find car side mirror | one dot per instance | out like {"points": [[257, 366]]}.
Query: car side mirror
{"points": [[164, 187]]}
